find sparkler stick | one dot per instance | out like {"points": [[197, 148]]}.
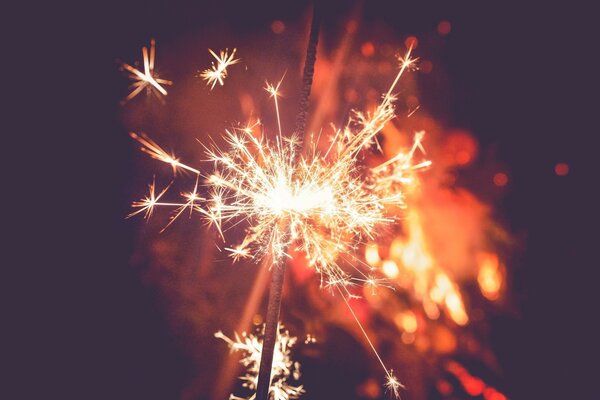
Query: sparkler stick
{"points": [[284, 368], [278, 274]]}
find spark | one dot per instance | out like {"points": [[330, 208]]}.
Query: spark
{"points": [[274, 92], [151, 148], [392, 384], [408, 62], [411, 113], [148, 79], [192, 198], [372, 282], [283, 367], [217, 73], [147, 204], [399, 171]]}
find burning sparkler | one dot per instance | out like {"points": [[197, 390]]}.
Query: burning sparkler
{"points": [[217, 73], [320, 207], [320, 204], [148, 79], [283, 367], [295, 197]]}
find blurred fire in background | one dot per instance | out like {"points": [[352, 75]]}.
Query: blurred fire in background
{"points": [[448, 259], [499, 241]]}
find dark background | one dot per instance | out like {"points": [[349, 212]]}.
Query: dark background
{"points": [[82, 326]]}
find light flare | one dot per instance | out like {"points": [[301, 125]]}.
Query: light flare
{"points": [[151, 148], [217, 73], [490, 276], [147, 204], [148, 79]]}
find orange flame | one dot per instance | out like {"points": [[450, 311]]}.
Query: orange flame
{"points": [[490, 276], [412, 265]]}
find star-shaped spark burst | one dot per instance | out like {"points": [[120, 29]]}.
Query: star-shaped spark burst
{"points": [[147, 204], [148, 79], [283, 368], [151, 148], [217, 73], [392, 384], [294, 197]]}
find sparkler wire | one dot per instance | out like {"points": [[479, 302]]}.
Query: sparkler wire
{"points": [[270, 335], [278, 273]]}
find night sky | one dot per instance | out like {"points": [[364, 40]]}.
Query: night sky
{"points": [[86, 327]]}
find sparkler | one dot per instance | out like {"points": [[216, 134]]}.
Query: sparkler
{"points": [[282, 370], [217, 73], [148, 79], [320, 203]]}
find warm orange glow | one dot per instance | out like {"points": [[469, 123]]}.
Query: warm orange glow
{"points": [[367, 49], [372, 254], [456, 308], [411, 42], [473, 385], [490, 276], [277, 26], [257, 319], [444, 28], [390, 269], [351, 26], [463, 158], [414, 254], [561, 169], [426, 66], [411, 261], [396, 248], [500, 179], [407, 321], [444, 341], [444, 387], [460, 148]]}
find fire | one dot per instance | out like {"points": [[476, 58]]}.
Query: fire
{"points": [[473, 385], [414, 267], [413, 252], [407, 321], [490, 276], [390, 269], [372, 254]]}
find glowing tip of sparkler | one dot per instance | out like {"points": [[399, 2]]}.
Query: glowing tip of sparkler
{"points": [[393, 385], [238, 253], [217, 73], [273, 90], [146, 79], [408, 62]]}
